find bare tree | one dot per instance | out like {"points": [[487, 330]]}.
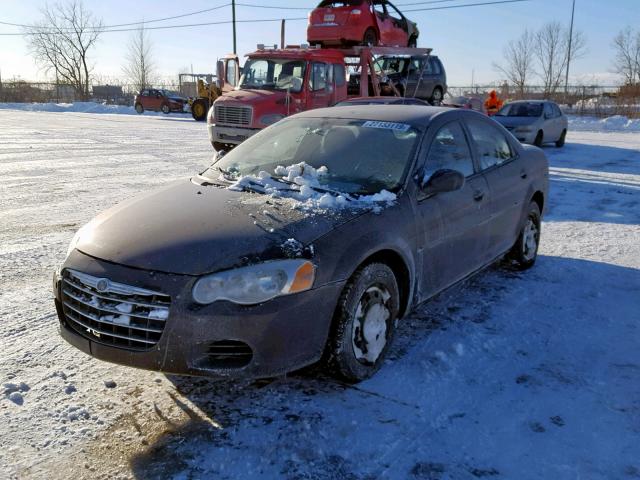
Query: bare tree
{"points": [[551, 49], [140, 67], [61, 41], [518, 61], [627, 60]]}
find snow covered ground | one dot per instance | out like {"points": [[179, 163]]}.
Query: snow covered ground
{"points": [[531, 375]]}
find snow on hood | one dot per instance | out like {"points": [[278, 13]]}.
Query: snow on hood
{"points": [[300, 182]]}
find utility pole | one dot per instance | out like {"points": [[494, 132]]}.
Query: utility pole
{"points": [[233, 15], [566, 80]]}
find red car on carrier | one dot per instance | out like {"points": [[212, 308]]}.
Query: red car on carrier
{"points": [[355, 22]]}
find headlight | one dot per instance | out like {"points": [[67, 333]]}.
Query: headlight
{"points": [[257, 283], [523, 129], [271, 119], [74, 242]]}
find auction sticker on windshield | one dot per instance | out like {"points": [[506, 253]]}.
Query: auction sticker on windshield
{"points": [[402, 127]]}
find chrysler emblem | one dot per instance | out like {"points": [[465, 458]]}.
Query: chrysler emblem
{"points": [[102, 285]]}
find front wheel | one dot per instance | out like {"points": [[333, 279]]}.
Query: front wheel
{"points": [[561, 140], [199, 110], [525, 251], [538, 140], [165, 109], [364, 323]]}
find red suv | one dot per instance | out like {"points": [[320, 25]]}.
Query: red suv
{"points": [[159, 101], [366, 22]]}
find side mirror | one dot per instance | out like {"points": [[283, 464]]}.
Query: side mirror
{"points": [[443, 181]]}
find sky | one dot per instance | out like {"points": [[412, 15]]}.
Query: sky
{"points": [[468, 40]]}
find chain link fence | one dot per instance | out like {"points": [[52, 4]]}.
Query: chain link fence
{"points": [[593, 100]]}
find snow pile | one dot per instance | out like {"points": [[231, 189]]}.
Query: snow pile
{"points": [[301, 182], [77, 107], [616, 123]]}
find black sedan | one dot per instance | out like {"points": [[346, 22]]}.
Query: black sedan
{"points": [[309, 241]]}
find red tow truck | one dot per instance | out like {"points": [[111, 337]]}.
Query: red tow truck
{"points": [[277, 83]]}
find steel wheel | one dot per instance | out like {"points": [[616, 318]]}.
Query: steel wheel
{"points": [[139, 108], [436, 97], [364, 323], [525, 251], [165, 109], [369, 332], [530, 237]]}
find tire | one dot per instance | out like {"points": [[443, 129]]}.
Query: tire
{"points": [[139, 108], [363, 324], [217, 146], [524, 252], [436, 97], [413, 42], [561, 140], [165, 109], [199, 109], [370, 38], [538, 141]]}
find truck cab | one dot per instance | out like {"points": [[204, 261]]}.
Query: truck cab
{"points": [[274, 84]]}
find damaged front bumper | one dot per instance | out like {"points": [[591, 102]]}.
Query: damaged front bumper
{"points": [[223, 338]]}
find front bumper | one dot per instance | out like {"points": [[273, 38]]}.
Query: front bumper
{"points": [[230, 135], [283, 334]]}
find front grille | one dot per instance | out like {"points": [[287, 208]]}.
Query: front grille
{"points": [[233, 115], [229, 354], [113, 313]]}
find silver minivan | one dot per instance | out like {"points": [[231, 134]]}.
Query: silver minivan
{"points": [[534, 121]]}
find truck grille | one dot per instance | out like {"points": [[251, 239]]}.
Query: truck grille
{"points": [[232, 115], [113, 313]]}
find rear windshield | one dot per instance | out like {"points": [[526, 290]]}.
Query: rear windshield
{"points": [[338, 4], [521, 110]]}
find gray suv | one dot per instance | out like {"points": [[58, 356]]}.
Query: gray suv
{"points": [[419, 76], [534, 121]]}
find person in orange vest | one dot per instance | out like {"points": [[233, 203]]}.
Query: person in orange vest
{"points": [[493, 103]]}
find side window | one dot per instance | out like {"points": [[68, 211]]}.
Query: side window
{"points": [[231, 72], [340, 75], [449, 150], [318, 77], [548, 111], [492, 145], [556, 110], [144, 93], [434, 66], [380, 8]]}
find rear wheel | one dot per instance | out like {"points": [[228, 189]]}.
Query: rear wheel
{"points": [[436, 97], [561, 140], [217, 146], [165, 109], [370, 37], [139, 108], [364, 323], [413, 42], [199, 109], [538, 140], [525, 251]]}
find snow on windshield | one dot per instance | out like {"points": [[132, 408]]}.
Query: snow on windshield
{"points": [[300, 182]]}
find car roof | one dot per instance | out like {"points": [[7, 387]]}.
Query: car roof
{"points": [[416, 115], [530, 101]]}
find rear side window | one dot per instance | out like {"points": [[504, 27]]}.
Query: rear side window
{"points": [[144, 93], [449, 150], [340, 75], [434, 66], [492, 145], [548, 111], [556, 110]]}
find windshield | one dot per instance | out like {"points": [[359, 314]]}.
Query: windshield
{"points": [[361, 157], [273, 74], [521, 110]]}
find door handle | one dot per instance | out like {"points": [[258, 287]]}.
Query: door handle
{"points": [[523, 174], [478, 196]]}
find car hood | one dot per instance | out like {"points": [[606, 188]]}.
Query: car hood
{"points": [[252, 96], [515, 121], [190, 229]]}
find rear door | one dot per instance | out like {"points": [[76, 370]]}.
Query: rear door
{"points": [[551, 126], [456, 223], [429, 78], [155, 99], [506, 174]]}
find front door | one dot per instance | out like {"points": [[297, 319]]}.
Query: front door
{"points": [[320, 89], [456, 231]]}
